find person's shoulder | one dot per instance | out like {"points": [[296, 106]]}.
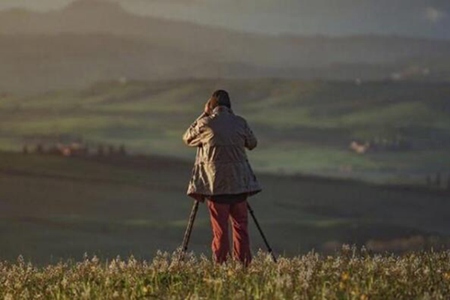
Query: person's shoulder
{"points": [[240, 119]]}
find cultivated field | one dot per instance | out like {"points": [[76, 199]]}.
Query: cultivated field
{"points": [[303, 127], [55, 208]]}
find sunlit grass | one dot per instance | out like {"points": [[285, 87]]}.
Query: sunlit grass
{"points": [[394, 115], [309, 159], [350, 274]]}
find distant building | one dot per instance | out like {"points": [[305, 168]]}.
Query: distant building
{"points": [[67, 150], [359, 148], [380, 145]]}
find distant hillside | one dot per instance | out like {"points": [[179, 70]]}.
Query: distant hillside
{"points": [[32, 63], [302, 126], [189, 50]]}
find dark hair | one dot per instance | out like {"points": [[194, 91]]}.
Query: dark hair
{"points": [[222, 98]]}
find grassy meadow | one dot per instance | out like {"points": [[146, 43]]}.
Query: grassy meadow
{"points": [[303, 127], [349, 274]]}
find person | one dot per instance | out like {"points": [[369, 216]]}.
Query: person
{"points": [[222, 174]]}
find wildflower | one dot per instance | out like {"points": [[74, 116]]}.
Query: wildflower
{"points": [[446, 276], [345, 276], [230, 273], [9, 297], [144, 290]]}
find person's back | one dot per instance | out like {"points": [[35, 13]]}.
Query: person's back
{"points": [[222, 173], [221, 165]]}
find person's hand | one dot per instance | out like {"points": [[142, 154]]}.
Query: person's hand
{"points": [[208, 109]]}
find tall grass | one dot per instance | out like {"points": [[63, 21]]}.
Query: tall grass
{"points": [[350, 274]]}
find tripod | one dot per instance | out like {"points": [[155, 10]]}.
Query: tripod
{"points": [[188, 232]]}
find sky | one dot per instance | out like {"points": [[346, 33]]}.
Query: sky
{"points": [[417, 18]]}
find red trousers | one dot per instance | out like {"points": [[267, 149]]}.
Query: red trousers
{"points": [[220, 213]]}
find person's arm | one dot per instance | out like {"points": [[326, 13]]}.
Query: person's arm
{"points": [[250, 139], [192, 136]]}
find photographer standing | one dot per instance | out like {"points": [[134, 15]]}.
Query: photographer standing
{"points": [[222, 174]]}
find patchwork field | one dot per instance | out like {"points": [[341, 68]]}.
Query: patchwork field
{"points": [[303, 127]]}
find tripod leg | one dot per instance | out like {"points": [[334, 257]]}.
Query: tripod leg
{"points": [[261, 232], [187, 234]]}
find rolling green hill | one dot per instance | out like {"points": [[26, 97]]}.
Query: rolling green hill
{"points": [[53, 207], [303, 127]]}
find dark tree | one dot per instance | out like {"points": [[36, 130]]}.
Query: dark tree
{"points": [[110, 150], [438, 179], [100, 150], [39, 149], [122, 150]]}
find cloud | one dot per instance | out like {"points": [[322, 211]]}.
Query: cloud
{"points": [[434, 15]]}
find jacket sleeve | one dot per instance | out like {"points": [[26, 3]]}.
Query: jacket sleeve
{"points": [[250, 139], [192, 136]]}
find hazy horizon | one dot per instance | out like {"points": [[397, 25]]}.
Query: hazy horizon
{"points": [[430, 19]]}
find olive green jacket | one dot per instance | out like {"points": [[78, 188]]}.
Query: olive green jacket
{"points": [[221, 166]]}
